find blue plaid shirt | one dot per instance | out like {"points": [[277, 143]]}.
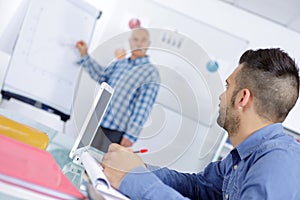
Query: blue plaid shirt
{"points": [[264, 166], [136, 84]]}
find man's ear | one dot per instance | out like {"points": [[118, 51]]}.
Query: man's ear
{"points": [[243, 98]]}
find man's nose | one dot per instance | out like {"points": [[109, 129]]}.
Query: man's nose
{"points": [[139, 44], [221, 95]]}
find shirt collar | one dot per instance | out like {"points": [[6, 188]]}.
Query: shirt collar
{"points": [[138, 61], [249, 145]]}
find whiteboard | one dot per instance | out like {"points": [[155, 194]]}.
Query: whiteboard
{"points": [[43, 66]]}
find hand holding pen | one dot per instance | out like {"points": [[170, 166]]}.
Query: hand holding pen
{"points": [[118, 161]]}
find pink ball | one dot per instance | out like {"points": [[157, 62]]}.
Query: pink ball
{"points": [[134, 23]]}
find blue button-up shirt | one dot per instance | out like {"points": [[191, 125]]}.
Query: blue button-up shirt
{"points": [[136, 84], [264, 166]]}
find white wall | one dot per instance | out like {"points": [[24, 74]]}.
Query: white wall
{"points": [[7, 10], [259, 32]]}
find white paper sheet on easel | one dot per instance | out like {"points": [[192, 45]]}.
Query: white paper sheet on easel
{"points": [[43, 64]]}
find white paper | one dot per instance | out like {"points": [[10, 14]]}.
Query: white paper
{"points": [[98, 179], [43, 65], [95, 171]]}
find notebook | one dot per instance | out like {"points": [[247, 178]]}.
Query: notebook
{"points": [[98, 178], [91, 125]]}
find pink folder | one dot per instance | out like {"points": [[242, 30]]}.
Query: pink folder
{"points": [[33, 169]]}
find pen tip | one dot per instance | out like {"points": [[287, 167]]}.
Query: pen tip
{"points": [[143, 150]]}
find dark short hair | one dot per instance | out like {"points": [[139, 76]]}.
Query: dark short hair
{"points": [[272, 76]]}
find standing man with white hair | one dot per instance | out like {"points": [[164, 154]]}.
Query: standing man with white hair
{"points": [[136, 83]]}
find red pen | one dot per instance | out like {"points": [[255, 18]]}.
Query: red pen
{"points": [[141, 151]]}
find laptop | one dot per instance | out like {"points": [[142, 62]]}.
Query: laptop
{"points": [[91, 126]]}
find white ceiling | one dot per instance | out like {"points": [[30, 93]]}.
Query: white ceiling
{"points": [[283, 12]]}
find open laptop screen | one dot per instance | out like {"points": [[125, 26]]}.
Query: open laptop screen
{"points": [[93, 119]]}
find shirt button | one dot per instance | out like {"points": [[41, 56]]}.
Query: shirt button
{"points": [[235, 167], [226, 196]]}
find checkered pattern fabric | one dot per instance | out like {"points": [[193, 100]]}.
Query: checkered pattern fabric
{"points": [[136, 84]]}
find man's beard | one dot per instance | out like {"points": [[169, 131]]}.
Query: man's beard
{"points": [[229, 120]]}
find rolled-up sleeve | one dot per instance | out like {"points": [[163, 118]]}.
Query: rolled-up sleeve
{"points": [[94, 69]]}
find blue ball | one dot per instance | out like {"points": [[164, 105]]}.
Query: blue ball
{"points": [[212, 66]]}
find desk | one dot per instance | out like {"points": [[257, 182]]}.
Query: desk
{"points": [[59, 146]]}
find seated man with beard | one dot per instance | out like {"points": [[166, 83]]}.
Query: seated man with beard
{"points": [[264, 163]]}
